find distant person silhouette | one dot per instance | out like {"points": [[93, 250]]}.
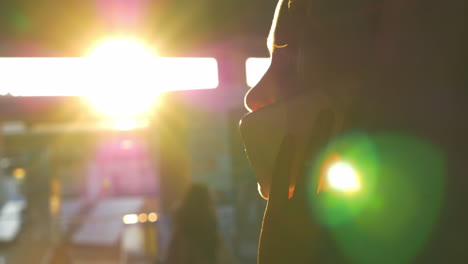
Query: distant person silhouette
{"points": [[196, 239]]}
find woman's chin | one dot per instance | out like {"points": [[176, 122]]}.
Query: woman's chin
{"points": [[265, 192]]}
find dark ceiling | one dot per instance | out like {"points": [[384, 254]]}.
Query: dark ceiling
{"points": [[176, 27]]}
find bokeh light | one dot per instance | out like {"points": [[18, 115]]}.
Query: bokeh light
{"points": [[153, 217], [143, 218], [19, 173], [130, 219]]}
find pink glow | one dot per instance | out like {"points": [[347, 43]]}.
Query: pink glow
{"points": [[122, 13], [126, 164]]}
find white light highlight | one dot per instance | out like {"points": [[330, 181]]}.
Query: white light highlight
{"points": [[121, 48], [104, 79], [13, 128], [126, 124], [124, 103], [255, 68], [130, 219], [128, 63], [341, 176]]}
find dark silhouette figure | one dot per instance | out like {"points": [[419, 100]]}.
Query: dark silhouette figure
{"points": [[195, 234]]}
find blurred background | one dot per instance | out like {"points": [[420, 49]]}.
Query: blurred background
{"points": [[109, 109]]}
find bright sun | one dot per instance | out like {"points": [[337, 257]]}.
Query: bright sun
{"points": [[121, 48], [123, 78]]}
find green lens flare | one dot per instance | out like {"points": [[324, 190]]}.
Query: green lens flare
{"points": [[378, 195], [342, 179]]}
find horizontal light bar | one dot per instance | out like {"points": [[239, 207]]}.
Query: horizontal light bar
{"points": [[131, 219], [121, 124], [88, 76], [255, 68]]}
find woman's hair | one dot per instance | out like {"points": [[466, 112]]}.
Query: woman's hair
{"points": [[196, 225]]}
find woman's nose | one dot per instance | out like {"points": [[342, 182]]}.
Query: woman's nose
{"points": [[263, 94]]}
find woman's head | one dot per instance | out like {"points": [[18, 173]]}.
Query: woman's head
{"points": [[354, 57], [319, 57], [316, 45], [350, 48]]}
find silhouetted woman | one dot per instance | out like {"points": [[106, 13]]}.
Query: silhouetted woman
{"points": [[196, 239]]}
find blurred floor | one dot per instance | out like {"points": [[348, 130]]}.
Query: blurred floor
{"points": [[33, 243]]}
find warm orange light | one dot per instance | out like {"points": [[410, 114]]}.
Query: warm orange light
{"points": [[143, 218], [106, 183], [54, 204], [19, 173], [153, 217]]}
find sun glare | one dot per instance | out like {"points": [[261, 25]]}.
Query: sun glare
{"points": [[124, 105], [127, 124], [121, 48], [122, 73], [121, 78]]}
